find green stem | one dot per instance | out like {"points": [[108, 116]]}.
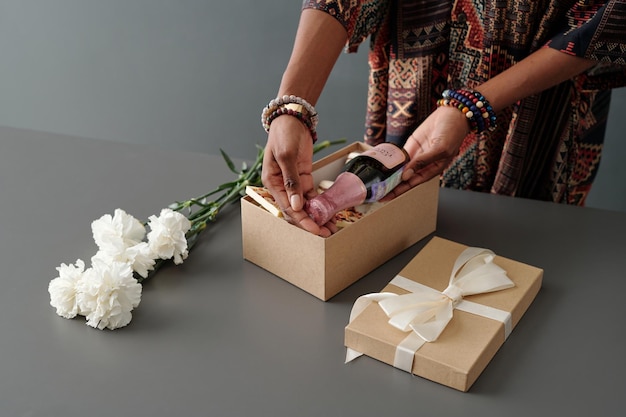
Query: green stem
{"points": [[208, 211]]}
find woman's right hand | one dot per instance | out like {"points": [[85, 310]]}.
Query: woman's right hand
{"points": [[286, 172]]}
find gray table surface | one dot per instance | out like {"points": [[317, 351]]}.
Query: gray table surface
{"points": [[218, 336]]}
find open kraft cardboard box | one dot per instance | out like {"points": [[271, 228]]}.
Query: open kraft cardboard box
{"points": [[325, 266]]}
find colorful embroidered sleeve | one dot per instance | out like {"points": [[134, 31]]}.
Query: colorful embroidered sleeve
{"points": [[595, 29], [361, 18]]}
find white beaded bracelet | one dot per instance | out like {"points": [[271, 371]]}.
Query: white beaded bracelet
{"points": [[307, 110]]}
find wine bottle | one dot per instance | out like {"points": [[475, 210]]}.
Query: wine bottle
{"points": [[366, 178]]}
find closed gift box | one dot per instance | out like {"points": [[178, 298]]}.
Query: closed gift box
{"points": [[478, 326], [325, 266]]}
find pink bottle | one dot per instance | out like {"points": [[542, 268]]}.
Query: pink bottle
{"points": [[367, 177]]}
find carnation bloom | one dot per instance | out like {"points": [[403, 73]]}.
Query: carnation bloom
{"points": [[116, 233], [167, 235], [63, 289], [107, 294], [139, 257]]}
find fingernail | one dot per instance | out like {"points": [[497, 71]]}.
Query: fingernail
{"points": [[407, 174], [296, 202]]}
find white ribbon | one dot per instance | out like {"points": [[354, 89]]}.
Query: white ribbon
{"points": [[425, 312]]}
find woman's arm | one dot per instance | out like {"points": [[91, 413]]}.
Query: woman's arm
{"points": [[541, 70], [319, 41], [288, 158], [438, 139]]}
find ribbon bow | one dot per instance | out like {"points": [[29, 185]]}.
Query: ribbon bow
{"points": [[425, 311]]}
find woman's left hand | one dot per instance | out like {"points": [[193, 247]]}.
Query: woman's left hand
{"points": [[431, 147]]}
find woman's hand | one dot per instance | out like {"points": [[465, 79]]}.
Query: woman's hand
{"points": [[431, 147], [286, 172]]}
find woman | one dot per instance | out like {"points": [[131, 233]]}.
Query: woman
{"points": [[541, 70]]}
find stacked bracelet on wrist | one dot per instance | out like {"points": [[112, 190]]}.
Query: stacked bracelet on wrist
{"points": [[292, 106], [474, 105]]}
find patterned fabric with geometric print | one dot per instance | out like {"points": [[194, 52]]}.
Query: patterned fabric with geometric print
{"points": [[418, 48]]}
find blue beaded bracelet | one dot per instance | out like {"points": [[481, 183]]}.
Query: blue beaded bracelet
{"points": [[474, 105]]}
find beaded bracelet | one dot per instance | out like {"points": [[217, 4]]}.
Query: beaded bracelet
{"points": [[474, 105], [291, 112], [290, 99], [293, 106]]}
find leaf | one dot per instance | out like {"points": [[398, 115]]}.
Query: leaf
{"points": [[229, 162]]}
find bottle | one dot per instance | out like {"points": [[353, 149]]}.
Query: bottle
{"points": [[366, 178]]}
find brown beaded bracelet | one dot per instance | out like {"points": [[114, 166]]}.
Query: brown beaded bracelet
{"points": [[293, 106], [290, 112]]}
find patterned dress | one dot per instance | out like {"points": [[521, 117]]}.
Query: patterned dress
{"points": [[546, 146]]}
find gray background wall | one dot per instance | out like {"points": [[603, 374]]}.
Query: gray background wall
{"points": [[186, 74]]}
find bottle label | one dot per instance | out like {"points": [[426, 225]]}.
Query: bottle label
{"points": [[381, 189], [388, 154]]}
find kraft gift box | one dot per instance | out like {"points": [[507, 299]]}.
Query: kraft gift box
{"points": [[471, 338], [325, 266]]}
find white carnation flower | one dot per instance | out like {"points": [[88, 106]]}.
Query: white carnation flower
{"points": [[167, 235], [63, 289], [116, 233], [139, 257], [107, 295]]}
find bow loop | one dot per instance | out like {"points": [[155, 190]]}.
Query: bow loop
{"points": [[474, 273], [429, 330]]}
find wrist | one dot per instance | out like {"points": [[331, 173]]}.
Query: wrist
{"points": [[294, 106], [473, 105]]}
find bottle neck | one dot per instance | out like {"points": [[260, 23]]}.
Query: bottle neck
{"points": [[347, 191]]}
